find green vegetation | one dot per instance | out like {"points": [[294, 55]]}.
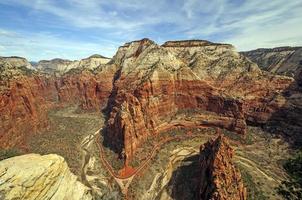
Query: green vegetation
{"points": [[253, 190], [8, 153], [244, 139], [67, 130], [292, 189]]}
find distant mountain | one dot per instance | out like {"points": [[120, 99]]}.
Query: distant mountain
{"points": [[62, 66], [17, 61], [281, 60]]}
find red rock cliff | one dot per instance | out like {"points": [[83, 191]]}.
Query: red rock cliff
{"points": [[219, 179], [186, 84], [26, 97]]}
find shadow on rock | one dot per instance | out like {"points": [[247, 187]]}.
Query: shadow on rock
{"points": [[184, 181]]}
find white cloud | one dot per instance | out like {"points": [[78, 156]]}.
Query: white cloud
{"points": [[248, 24], [37, 46]]}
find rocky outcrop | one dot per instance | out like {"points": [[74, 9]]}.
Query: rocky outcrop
{"points": [[24, 99], [89, 90], [186, 84], [219, 179], [26, 96], [17, 62], [280, 60], [62, 66], [286, 61], [33, 176]]}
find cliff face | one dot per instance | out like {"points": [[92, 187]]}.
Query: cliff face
{"points": [[18, 62], [280, 60], [285, 61], [62, 66], [44, 177], [26, 96], [156, 86], [219, 179]]}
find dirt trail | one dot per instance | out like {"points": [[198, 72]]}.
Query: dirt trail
{"points": [[84, 147], [125, 181]]}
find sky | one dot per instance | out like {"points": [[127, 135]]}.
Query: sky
{"points": [[75, 29]]}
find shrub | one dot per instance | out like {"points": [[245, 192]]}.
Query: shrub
{"points": [[292, 189], [8, 153]]}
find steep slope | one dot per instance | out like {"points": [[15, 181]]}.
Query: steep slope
{"points": [[18, 62], [156, 86], [26, 96], [44, 177], [286, 61], [219, 179], [62, 66], [280, 60]]}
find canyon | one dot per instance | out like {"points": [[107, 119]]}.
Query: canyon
{"points": [[149, 95]]}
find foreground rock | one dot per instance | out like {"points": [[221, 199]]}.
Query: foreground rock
{"points": [[219, 179], [44, 177]]}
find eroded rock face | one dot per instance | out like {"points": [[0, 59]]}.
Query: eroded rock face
{"points": [[280, 60], [26, 97], [62, 66], [286, 61], [219, 179], [24, 100], [44, 177], [18, 62], [186, 84]]}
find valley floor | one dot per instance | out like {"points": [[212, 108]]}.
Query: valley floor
{"points": [[72, 134]]}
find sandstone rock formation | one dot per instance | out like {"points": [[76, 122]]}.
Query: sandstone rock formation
{"points": [[285, 61], [33, 176], [26, 96], [280, 60], [18, 62], [155, 86], [62, 66], [151, 89], [219, 179]]}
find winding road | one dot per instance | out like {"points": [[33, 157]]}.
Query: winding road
{"points": [[125, 181]]}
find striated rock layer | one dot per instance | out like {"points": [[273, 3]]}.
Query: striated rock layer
{"points": [[33, 176], [26, 96], [285, 61], [62, 66], [280, 60], [186, 84], [219, 179]]}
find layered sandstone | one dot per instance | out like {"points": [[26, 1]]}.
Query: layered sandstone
{"points": [[62, 66], [219, 179], [26, 96], [18, 62], [280, 60], [33, 176], [286, 61], [157, 86]]}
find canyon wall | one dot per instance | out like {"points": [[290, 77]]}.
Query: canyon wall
{"points": [[280, 60], [26, 96], [150, 89], [219, 179], [186, 84]]}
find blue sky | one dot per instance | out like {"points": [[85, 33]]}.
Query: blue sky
{"points": [[74, 29]]}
